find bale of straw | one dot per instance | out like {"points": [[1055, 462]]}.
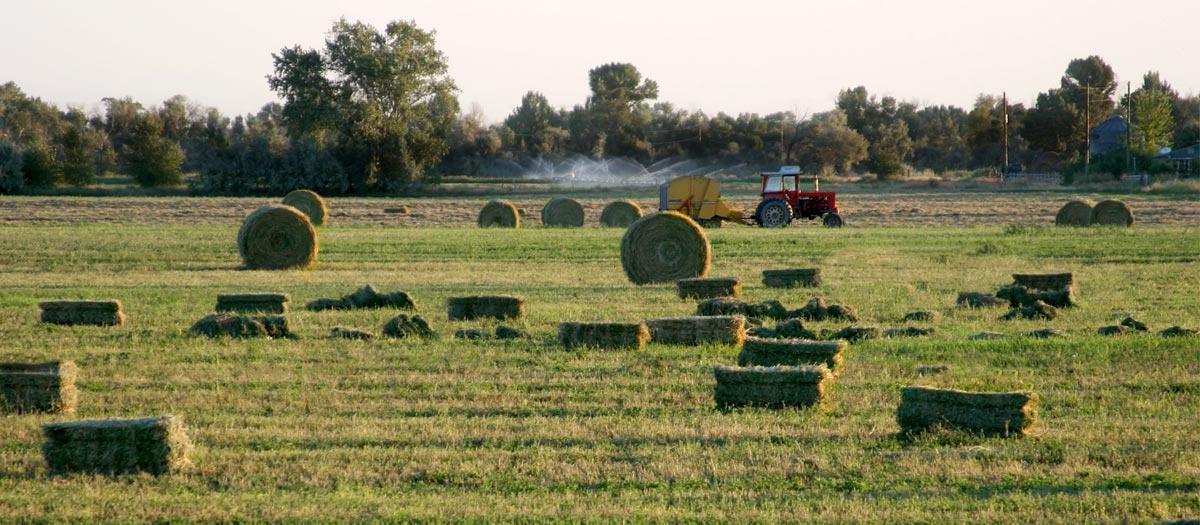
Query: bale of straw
{"points": [[1075, 213], [1044, 281], [698, 330], [919, 316], [632, 336], [563, 212], [791, 352], [156, 445], [500, 214], [728, 306], [97, 313], [1018, 295], [1112, 213], [310, 204], [342, 332], [38, 387], [855, 334], [978, 300], [403, 326], [792, 278], [230, 325], [769, 387], [277, 238], [664, 246], [989, 413], [485, 306], [709, 287], [620, 214], [275, 303], [1178, 331]]}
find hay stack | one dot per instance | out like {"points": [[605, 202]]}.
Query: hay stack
{"points": [[499, 213], [1018, 295], [277, 238], [620, 214], [157, 445], [230, 325], [709, 287], [275, 303], [631, 336], [1044, 281], [1001, 413], [38, 387], [1112, 213], [96, 313], [791, 352], [564, 212], [403, 326], [664, 246], [774, 387], [310, 204], [698, 330], [792, 278], [365, 297], [1075, 213], [485, 306]]}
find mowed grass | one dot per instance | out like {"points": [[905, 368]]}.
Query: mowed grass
{"points": [[330, 430]]}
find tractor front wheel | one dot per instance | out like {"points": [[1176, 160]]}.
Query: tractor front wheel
{"points": [[773, 213], [833, 220]]}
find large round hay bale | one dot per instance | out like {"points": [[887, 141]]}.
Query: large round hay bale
{"points": [[310, 203], [664, 247], [1075, 213], [1112, 213], [277, 237], [499, 213], [620, 214], [564, 212]]}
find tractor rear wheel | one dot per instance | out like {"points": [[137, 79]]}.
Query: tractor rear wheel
{"points": [[832, 220], [773, 213]]}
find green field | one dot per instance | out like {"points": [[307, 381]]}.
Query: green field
{"points": [[315, 429]]}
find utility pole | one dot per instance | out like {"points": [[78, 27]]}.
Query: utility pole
{"points": [[1004, 159], [1128, 126], [1087, 129]]}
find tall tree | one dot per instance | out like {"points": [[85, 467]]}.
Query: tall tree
{"points": [[617, 111], [535, 126], [153, 159], [1154, 126]]}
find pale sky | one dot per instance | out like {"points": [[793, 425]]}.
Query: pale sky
{"points": [[731, 56]]}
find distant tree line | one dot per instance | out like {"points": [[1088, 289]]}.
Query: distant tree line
{"points": [[376, 111]]}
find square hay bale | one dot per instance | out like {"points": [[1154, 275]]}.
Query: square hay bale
{"points": [[792, 278], [698, 330], [38, 387], [791, 352], [1044, 281], [485, 306], [990, 413], [729, 306], [230, 325], [709, 287], [97, 313], [631, 336], [272, 303], [769, 387], [156, 445], [1018, 295]]}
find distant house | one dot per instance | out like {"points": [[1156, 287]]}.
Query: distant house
{"points": [[1182, 159], [1108, 135]]}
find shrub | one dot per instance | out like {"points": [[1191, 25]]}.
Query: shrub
{"points": [[11, 162], [40, 169]]}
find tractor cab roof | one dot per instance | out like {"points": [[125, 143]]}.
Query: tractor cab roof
{"points": [[783, 170]]}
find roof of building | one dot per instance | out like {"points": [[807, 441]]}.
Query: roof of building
{"points": [[1189, 152], [1113, 124]]}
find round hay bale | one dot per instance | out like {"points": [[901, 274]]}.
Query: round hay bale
{"points": [[664, 247], [620, 214], [277, 237], [1075, 213], [499, 213], [564, 212], [1112, 213], [310, 203]]}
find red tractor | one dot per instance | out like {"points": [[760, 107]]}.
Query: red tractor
{"points": [[783, 200]]}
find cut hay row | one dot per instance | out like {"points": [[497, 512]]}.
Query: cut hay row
{"points": [[698, 330], [791, 352], [562, 212], [485, 306], [365, 297], [156, 445], [38, 387], [632, 336], [708, 287], [663, 247], [277, 238], [1075, 213], [773, 387], [230, 325], [96, 313], [620, 214], [792, 278], [309, 203], [1112, 213], [771, 309], [274, 303], [499, 214], [990, 413]]}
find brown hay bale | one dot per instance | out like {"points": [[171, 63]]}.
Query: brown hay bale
{"points": [[96, 313], [1075, 213], [277, 238], [1112, 213], [791, 352], [792, 277], [403, 326], [664, 246], [1044, 281], [1179, 331], [855, 334], [230, 325], [709, 287], [698, 330], [620, 214], [919, 316], [728, 306], [341, 332], [1037, 310], [631, 336], [500, 214], [38, 387], [485, 306], [908, 331], [978, 300], [156, 445], [564, 212], [773, 387], [990, 413], [275, 303], [310, 204], [1130, 322]]}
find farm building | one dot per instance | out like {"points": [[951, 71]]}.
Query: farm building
{"points": [[1182, 159], [1108, 135]]}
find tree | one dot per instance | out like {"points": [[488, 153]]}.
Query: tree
{"points": [[616, 112], [984, 131], [535, 126], [153, 160], [39, 167], [78, 166], [827, 142], [1154, 126], [1054, 124], [1094, 75], [888, 152], [11, 161]]}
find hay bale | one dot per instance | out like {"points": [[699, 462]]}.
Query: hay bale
{"points": [[1112, 330], [631, 336], [728, 306], [1037, 310], [709, 287], [38, 387], [1018, 295], [763, 332], [1075, 213], [791, 352], [403, 326], [1045, 333], [773, 387], [978, 300], [908, 331], [156, 445], [663, 247], [990, 413], [1112, 213], [96, 313], [984, 336], [1044, 281], [1179, 331], [855, 334], [919, 316], [275, 303], [698, 330], [563, 212], [792, 278], [230, 325], [485, 306], [1130, 322], [310, 204], [341, 332], [398, 210], [620, 214], [277, 238], [508, 332], [924, 370], [500, 214]]}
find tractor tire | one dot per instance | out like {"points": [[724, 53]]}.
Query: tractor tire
{"points": [[773, 213], [832, 220]]}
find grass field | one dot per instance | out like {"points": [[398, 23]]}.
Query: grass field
{"points": [[331, 430]]}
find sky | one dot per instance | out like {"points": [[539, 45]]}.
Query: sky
{"points": [[729, 56]]}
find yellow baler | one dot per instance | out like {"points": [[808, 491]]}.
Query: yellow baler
{"points": [[698, 197]]}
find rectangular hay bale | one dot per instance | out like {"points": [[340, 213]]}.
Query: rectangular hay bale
{"points": [[157, 445], [274, 303], [38, 387], [792, 278], [709, 287], [485, 306], [769, 387], [603, 335], [758, 351], [698, 330], [96, 313], [1044, 281], [988, 413]]}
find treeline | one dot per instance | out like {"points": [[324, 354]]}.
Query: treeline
{"points": [[377, 111]]}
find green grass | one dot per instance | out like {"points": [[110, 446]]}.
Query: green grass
{"points": [[332, 430]]}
